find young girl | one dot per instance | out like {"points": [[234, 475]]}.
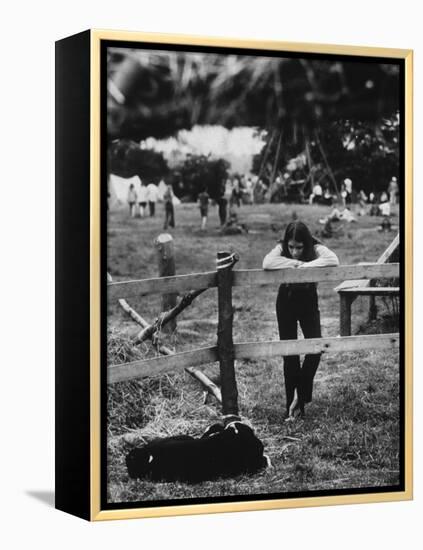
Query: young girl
{"points": [[299, 303]]}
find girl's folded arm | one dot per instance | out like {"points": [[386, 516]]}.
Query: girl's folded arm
{"points": [[274, 260], [325, 258]]}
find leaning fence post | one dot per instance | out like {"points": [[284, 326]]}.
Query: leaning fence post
{"points": [[225, 346], [166, 264]]}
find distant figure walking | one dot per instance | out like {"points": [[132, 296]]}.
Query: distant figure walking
{"points": [[222, 204], [298, 303], [168, 204], [236, 193], [203, 201], [152, 196], [393, 191], [142, 199], [132, 199]]}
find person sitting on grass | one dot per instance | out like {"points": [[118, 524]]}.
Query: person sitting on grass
{"points": [[339, 215], [298, 303], [316, 195]]}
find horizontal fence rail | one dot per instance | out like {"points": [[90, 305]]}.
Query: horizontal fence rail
{"points": [[165, 285], [250, 277], [335, 344], [249, 350], [161, 365]]}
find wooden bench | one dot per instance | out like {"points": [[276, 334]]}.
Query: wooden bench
{"points": [[350, 290]]}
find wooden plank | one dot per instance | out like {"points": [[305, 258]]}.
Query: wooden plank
{"points": [[178, 283], [371, 291], [386, 254], [210, 386], [250, 350], [161, 365], [250, 277], [383, 258], [358, 283], [254, 350]]}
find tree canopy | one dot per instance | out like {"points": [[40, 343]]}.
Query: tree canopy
{"points": [[156, 93]]}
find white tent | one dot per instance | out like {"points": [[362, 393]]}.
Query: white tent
{"points": [[118, 190], [162, 189]]}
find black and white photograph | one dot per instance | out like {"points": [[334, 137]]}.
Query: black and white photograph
{"points": [[253, 219]]}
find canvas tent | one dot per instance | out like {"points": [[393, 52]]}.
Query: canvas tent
{"points": [[118, 190]]}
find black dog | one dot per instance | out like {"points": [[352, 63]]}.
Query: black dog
{"points": [[220, 452]]}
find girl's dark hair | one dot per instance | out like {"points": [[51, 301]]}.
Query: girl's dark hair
{"points": [[298, 231]]}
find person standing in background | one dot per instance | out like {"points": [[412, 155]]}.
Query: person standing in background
{"points": [[152, 197], [168, 204], [203, 201], [132, 200], [393, 191], [222, 203], [142, 198], [348, 189]]}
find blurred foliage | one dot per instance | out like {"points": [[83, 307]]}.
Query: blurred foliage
{"points": [[156, 93], [189, 178], [200, 172], [366, 152], [127, 159]]}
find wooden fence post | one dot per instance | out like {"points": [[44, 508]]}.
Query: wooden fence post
{"points": [[345, 314], [372, 303], [225, 344], [166, 264]]}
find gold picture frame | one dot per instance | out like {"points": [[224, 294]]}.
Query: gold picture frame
{"points": [[80, 354]]}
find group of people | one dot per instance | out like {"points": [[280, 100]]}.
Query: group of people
{"points": [[238, 190], [324, 196], [138, 199], [150, 195], [321, 195]]}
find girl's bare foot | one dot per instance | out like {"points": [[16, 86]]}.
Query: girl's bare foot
{"points": [[296, 409]]}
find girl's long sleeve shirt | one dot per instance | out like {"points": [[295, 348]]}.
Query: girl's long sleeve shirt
{"points": [[324, 258]]}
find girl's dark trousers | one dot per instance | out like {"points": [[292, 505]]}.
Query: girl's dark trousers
{"points": [[295, 304]]}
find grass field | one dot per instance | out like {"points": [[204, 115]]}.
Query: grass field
{"points": [[349, 437]]}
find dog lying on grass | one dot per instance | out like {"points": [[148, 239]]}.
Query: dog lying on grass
{"points": [[221, 452]]}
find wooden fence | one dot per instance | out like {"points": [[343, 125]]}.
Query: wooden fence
{"points": [[181, 283]]}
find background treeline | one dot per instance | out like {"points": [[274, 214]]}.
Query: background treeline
{"points": [[340, 115]]}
